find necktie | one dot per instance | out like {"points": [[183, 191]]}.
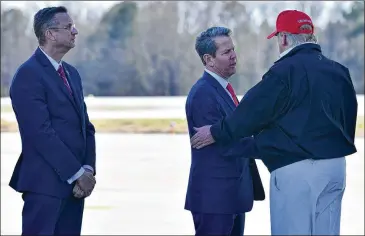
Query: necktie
{"points": [[231, 91], [61, 72]]}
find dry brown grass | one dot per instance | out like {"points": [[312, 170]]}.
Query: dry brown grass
{"points": [[146, 126]]}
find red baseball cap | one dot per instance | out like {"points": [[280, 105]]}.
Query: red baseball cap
{"points": [[290, 21]]}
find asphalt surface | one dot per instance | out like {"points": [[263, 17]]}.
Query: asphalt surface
{"points": [[141, 184]]}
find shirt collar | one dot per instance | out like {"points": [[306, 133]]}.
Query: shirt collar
{"points": [[220, 80], [54, 63], [289, 49]]}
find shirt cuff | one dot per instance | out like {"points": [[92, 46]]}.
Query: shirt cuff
{"points": [[89, 168], [76, 176]]}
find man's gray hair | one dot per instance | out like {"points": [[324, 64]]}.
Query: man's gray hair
{"points": [[297, 39], [205, 43]]}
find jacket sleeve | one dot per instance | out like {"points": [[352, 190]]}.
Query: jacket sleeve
{"points": [[244, 148], [206, 111], [90, 142], [28, 97], [90, 153], [261, 105]]}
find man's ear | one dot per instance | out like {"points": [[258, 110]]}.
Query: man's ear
{"points": [[49, 35], [283, 39], [285, 42], [208, 60]]}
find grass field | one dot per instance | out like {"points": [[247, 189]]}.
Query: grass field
{"points": [[146, 126]]}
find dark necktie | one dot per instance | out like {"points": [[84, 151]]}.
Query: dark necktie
{"points": [[231, 91], [61, 72]]}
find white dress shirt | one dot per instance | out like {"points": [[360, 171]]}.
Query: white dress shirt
{"points": [[54, 63], [221, 81], [289, 49]]}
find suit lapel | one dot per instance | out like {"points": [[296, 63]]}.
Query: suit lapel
{"points": [[221, 91], [55, 77], [76, 96]]}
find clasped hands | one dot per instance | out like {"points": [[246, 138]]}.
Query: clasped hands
{"points": [[84, 185]]}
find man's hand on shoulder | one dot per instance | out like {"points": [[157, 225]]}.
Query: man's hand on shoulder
{"points": [[202, 138]]}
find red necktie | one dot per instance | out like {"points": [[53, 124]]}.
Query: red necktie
{"points": [[231, 91], [61, 72]]}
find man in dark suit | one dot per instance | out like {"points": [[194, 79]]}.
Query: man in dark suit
{"points": [[56, 167], [303, 116], [223, 181]]}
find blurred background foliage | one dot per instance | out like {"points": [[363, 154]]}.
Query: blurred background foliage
{"points": [[133, 49]]}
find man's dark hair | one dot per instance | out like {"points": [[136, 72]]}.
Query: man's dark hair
{"points": [[44, 19], [205, 43]]}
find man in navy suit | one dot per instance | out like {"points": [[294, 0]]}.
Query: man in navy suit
{"points": [[223, 180], [56, 167]]}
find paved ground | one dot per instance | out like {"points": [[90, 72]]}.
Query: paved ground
{"points": [[141, 187]]}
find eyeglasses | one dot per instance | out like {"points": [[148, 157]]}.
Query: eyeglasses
{"points": [[68, 28]]}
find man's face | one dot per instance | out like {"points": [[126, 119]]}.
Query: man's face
{"points": [[224, 62], [64, 34]]}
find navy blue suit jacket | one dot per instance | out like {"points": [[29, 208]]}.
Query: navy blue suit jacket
{"points": [[223, 179], [57, 136]]}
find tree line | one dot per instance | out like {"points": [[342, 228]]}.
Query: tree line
{"points": [[149, 50]]}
